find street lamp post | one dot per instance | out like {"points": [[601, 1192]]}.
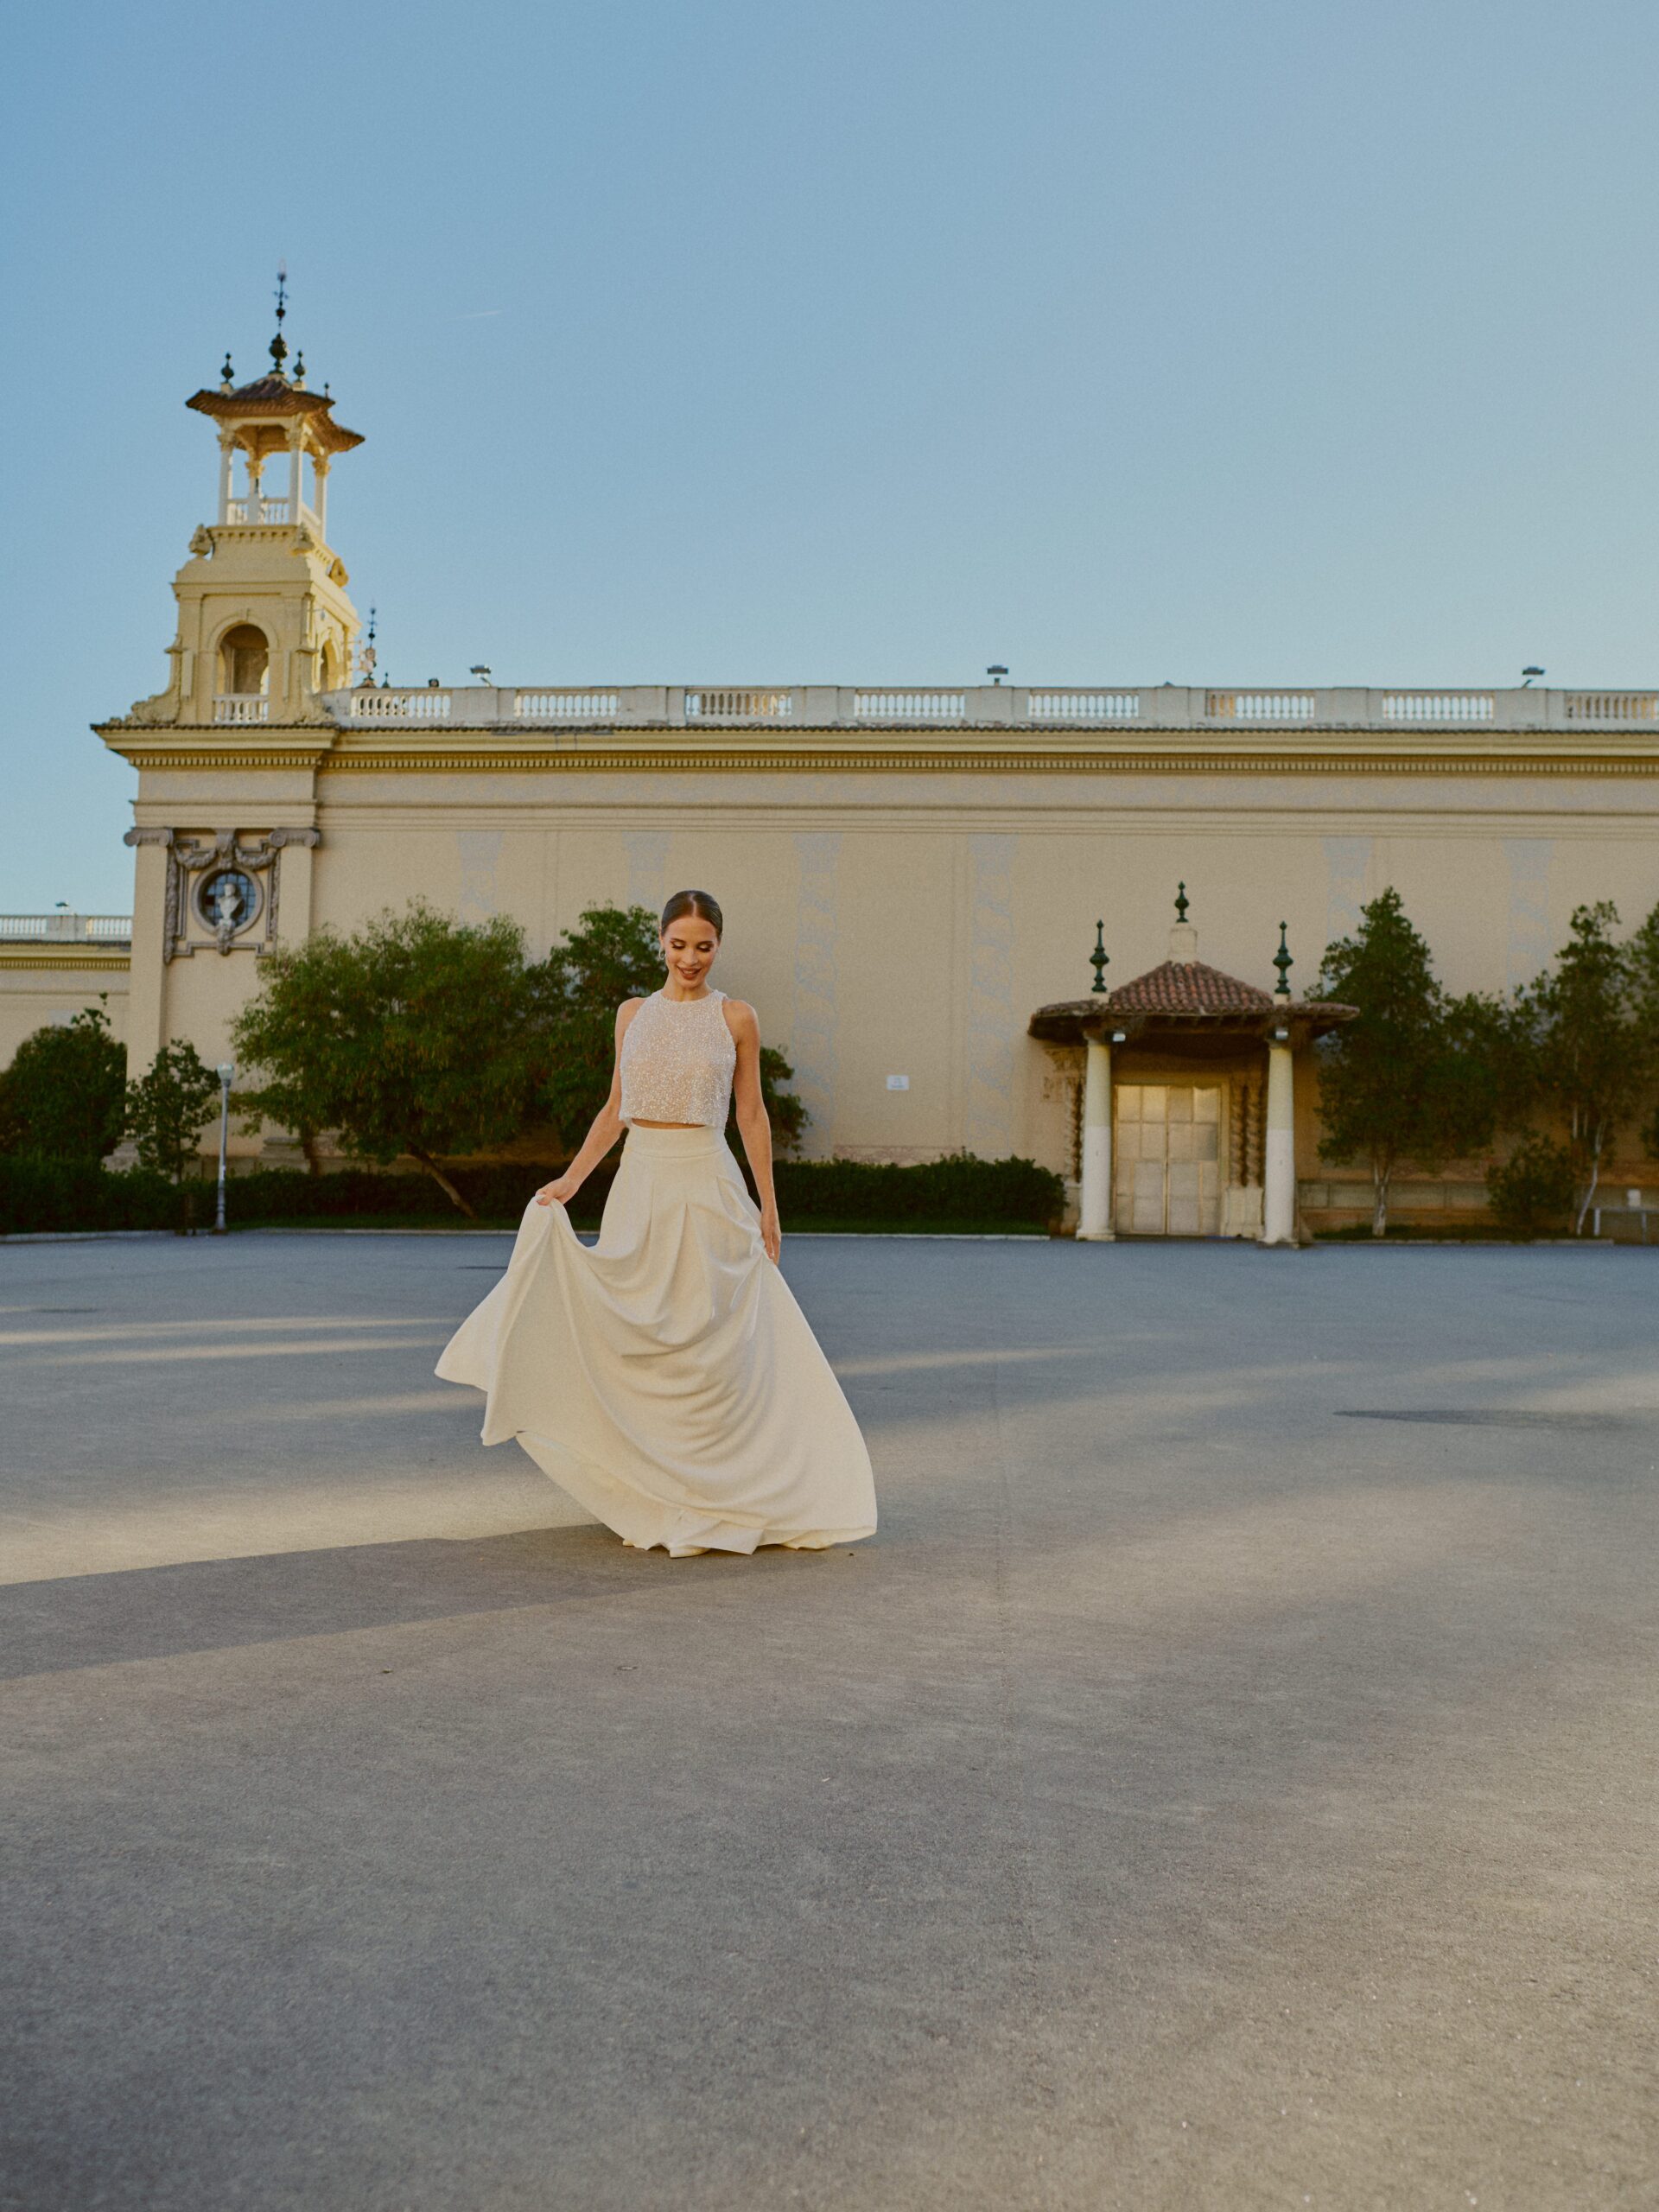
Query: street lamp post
{"points": [[227, 1070]]}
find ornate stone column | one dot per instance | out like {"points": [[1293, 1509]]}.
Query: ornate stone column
{"points": [[154, 923], [1279, 1169], [1095, 1200]]}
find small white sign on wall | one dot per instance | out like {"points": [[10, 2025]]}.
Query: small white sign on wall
{"points": [[897, 1083]]}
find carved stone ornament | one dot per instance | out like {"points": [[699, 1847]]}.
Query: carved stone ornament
{"points": [[224, 885], [201, 543]]}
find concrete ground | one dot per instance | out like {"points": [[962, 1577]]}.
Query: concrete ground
{"points": [[1228, 1781]]}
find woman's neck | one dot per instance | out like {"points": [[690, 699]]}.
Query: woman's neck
{"points": [[686, 998]]}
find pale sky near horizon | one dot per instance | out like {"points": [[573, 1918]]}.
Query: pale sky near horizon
{"points": [[751, 340]]}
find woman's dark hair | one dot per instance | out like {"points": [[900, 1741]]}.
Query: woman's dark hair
{"points": [[699, 903]]}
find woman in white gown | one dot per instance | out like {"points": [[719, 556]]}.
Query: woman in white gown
{"points": [[666, 1378]]}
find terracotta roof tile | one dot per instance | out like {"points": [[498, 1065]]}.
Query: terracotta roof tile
{"points": [[274, 397], [1188, 987]]}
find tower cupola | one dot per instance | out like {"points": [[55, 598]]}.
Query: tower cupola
{"points": [[264, 623], [274, 418]]}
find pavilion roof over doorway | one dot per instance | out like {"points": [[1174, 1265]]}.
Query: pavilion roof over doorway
{"points": [[1182, 997], [1188, 987]]}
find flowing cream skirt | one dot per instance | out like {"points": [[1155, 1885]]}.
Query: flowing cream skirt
{"points": [[666, 1378]]}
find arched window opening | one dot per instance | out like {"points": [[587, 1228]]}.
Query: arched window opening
{"points": [[244, 662]]}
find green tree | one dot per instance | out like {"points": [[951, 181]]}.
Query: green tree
{"points": [[419, 1036], [1535, 1189], [1401, 1082], [1644, 975], [1584, 1041], [64, 1096], [169, 1107], [614, 954], [785, 1110]]}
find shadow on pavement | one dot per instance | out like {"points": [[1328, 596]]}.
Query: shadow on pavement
{"points": [[102, 1620]]}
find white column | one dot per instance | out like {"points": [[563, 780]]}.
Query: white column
{"points": [[1095, 1204], [319, 464], [1279, 1170], [226, 465], [295, 477]]}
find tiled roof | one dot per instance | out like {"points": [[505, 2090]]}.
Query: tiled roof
{"points": [[274, 396], [1188, 987]]}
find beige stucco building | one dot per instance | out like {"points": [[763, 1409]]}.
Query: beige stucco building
{"points": [[909, 875]]}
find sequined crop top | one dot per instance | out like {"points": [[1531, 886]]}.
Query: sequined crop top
{"points": [[677, 1060]]}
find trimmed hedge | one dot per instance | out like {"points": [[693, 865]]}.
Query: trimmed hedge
{"points": [[1017, 1193], [961, 1191], [45, 1194]]}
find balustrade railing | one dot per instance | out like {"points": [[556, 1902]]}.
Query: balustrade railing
{"points": [[370, 705], [909, 706], [739, 706], [257, 511], [565, 706], [1259, 706], [1613, 706], [1438, 706], [1398, 714], [242, 707], [1082, 706], [66, 929]]}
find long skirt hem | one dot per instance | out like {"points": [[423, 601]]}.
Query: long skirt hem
{"points": [[666, 1379]]}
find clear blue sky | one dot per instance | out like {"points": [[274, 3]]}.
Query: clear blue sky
{"points": [[713, 340]]}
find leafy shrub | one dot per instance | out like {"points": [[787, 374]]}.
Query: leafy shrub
{"points": [[1534, 1190], [64, 1095], [38, 1195], [169, 1108], [960, 1191], [959, 1188]]}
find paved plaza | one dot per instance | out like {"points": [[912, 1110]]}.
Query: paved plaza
{"points": [[1227, 1781]]}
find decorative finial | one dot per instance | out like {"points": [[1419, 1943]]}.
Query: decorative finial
{"points": [[279, 343], [1182, 902], [1099, 959], [324, 389], [227, 378], [365, 654], [299, 369], [1284, 964]]}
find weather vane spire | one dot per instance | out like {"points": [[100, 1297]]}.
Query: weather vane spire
{"points": [[279, 343]]}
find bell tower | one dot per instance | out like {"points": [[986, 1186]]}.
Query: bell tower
{"points": [[264, 623]]}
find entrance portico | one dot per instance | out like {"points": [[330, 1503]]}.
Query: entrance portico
{"points": [[1188, 1109]]}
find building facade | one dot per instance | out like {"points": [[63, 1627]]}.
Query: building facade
{"points": [[911, 876]]}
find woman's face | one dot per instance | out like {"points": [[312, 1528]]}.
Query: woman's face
{"points": [[689, 948]]}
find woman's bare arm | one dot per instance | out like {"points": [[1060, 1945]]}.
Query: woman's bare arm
{"points": [[752, 1125]]}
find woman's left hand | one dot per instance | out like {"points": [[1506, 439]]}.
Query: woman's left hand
{"points": [[772, 1235]]}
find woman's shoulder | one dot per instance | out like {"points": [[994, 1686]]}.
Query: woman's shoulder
{"points": [[739, 1014], [626, 1011]]}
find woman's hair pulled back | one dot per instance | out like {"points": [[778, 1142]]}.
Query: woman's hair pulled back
{"points": [[700, 904]]}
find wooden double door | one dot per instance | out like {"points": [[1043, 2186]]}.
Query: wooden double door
{"points": [[1167, 1149]]}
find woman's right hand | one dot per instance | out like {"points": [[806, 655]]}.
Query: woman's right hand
{"points": [[562, 1190]]}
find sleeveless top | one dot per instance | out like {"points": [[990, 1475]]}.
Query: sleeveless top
{"points": [[677, 1060]]}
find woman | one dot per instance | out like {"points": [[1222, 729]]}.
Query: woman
{"points": [[667, 1379]]}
